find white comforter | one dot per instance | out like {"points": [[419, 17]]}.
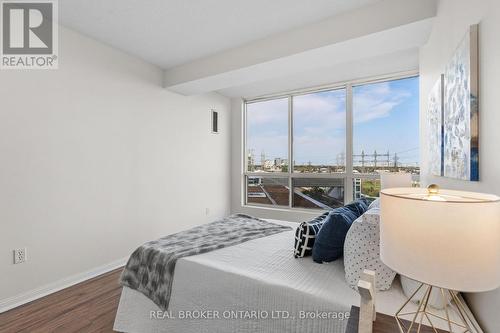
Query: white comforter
{"points": [[260, 276]]}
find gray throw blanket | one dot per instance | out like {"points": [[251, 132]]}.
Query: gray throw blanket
{"points": [[150, 269]]}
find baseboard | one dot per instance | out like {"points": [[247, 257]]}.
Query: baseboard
{"points": [[15, 301]]}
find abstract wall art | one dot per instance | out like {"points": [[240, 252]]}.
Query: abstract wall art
{"points": [[436, 130], [461, 112]]}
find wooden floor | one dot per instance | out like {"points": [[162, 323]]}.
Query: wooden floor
{"points": [[89, 306]]}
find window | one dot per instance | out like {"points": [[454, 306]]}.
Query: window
{"points": [[268, 191], [319, 132], [302, 150], [366, 188], [267, 136], [319, 193], [385, 131]]}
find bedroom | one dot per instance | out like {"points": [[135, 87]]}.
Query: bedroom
{"points": [[147, 120]]}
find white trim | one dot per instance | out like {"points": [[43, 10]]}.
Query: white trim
{"points": [[29, 296], [312, 211], [243, 178], [349, 162], [334, 175], [291, 163]]}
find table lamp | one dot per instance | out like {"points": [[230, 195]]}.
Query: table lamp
{"points": [[449, 240]]}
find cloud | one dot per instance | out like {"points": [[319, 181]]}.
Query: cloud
{"points": [[319, 121], [376, 101], [324, 110], [268, 112]]}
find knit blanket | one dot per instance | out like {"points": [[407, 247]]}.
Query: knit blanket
{"points": [[150, 269]]}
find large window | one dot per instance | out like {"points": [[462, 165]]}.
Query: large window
{"points": [[319, 121], [267, 136], [324, 148], [385, 132]]}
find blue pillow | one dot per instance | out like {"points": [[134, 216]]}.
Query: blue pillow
{"points": [[329, 243], [358, 207]]}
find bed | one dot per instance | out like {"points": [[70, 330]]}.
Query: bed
{"points": [[256, 286]]}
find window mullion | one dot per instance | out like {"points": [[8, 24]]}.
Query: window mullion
{"points": [[348, 182], [290, 150], [244, 179]]}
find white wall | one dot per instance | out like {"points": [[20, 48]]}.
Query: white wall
{"points": [[237, 179], [454, 16], [97, 158]]}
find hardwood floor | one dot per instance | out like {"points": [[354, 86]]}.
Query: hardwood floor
{"points": [[89, 306]]}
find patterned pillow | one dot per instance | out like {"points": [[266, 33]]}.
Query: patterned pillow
{"points": [[306, 234], [362, 251]]}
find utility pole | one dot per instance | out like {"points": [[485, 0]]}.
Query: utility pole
{"points": [[396, 158], [340, 159]]}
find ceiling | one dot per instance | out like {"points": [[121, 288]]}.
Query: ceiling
{"points": [[243, 48], [329, 51], [169, 33], [396, 62]]}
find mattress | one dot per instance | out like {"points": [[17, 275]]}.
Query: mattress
{"points": [[256, 286]]}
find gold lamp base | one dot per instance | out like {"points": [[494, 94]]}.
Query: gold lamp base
{"points": [[424, 316]]}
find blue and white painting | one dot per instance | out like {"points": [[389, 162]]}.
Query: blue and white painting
{"points": [[460, 118], [436, 130]]}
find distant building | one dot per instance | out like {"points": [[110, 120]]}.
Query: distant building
{"points": [[268, 164], [251, 162]]}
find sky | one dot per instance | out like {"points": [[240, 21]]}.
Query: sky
{"points": [[385, 118]]}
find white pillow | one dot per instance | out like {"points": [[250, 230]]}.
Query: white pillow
{"points": [[362, 251], [375, 204], [435, 300]]}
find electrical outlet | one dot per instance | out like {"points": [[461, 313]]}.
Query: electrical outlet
{"points": [[207, 211], [20, 256]]}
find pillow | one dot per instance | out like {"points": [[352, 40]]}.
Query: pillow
{"points": [[375, 204], [435, 299], [362, 251], [305, 235], [329, 243], [358, 207]]}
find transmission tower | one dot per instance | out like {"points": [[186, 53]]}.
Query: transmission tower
{"points": [[396, 158]]}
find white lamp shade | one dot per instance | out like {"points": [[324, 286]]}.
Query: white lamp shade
{"points": [[395, 179], [450, 240]]}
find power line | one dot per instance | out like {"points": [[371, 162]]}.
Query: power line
{"points": [[408, 150]]}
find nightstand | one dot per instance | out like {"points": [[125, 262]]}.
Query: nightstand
{"points": [[383, 324]]}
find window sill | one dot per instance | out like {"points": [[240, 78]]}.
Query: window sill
{"points": [[311, 211]]}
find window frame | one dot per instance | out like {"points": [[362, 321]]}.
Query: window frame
{"points": [[348, 176]]}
